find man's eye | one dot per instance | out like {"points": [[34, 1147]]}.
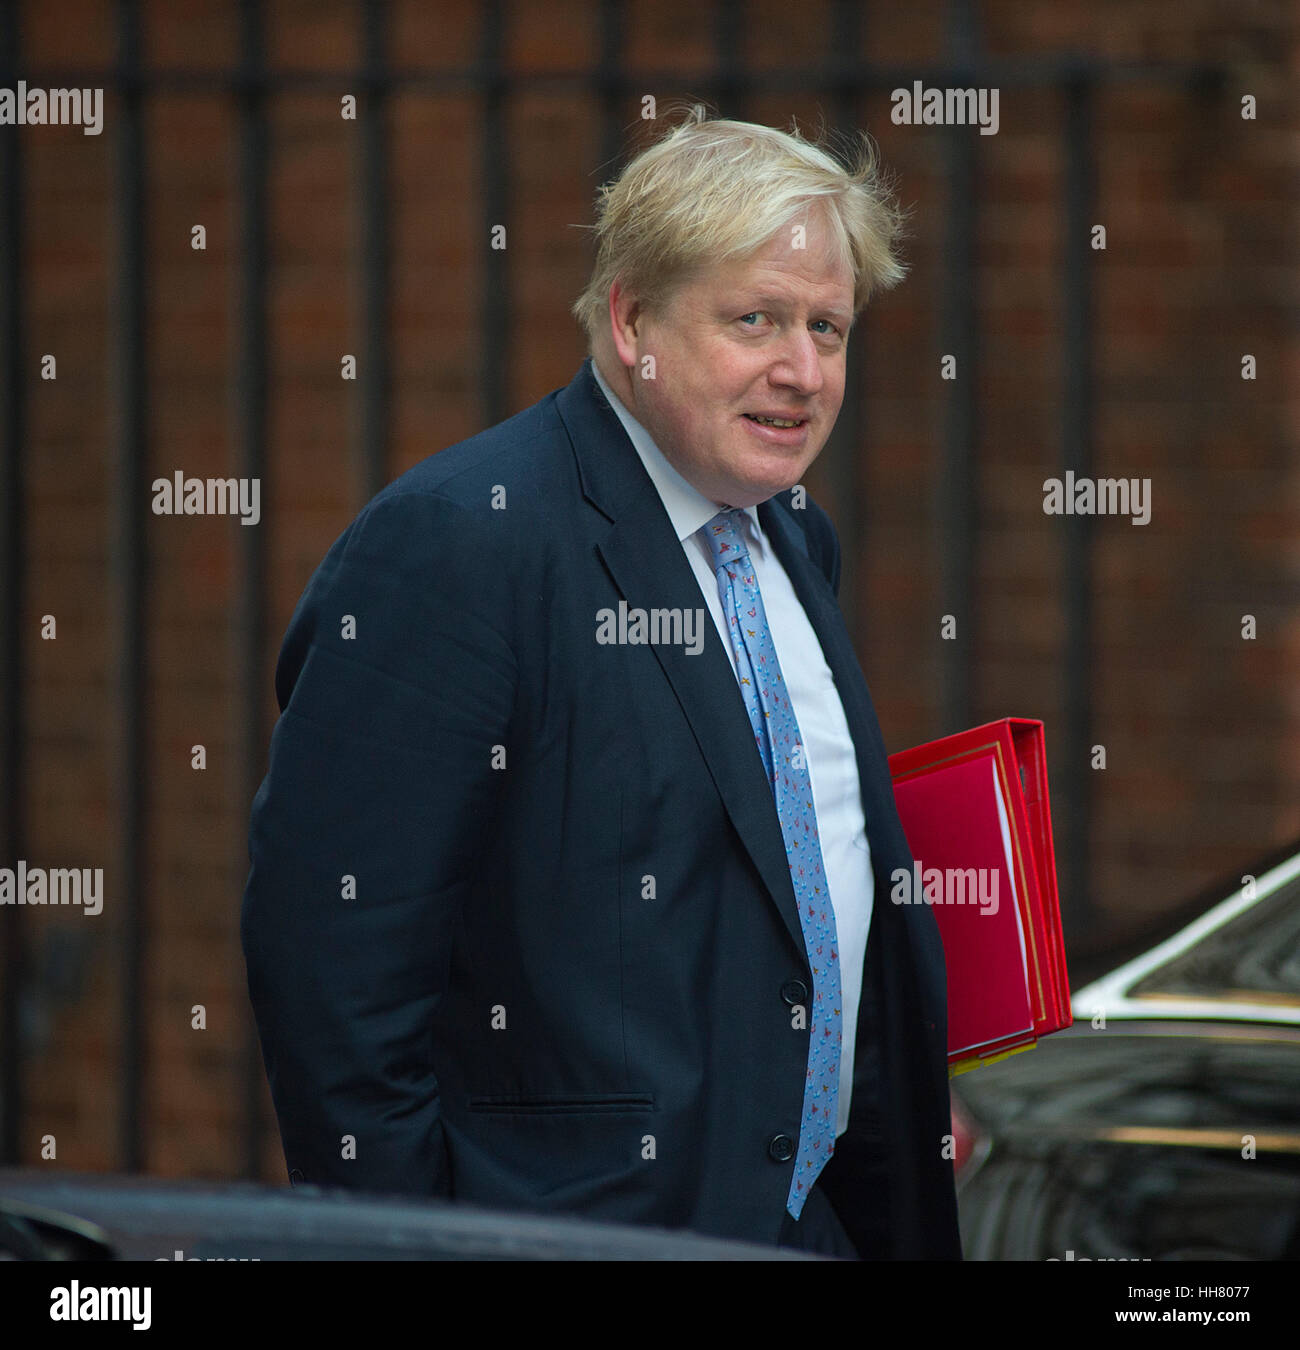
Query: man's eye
{"points": [[753, 314], [828, 324]]}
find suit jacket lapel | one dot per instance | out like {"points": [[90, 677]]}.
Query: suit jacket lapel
{"points": [[888, 844], [822, 608], [645, 559]]}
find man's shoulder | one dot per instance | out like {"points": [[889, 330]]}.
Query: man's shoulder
{"points": [[518, 453], [487, 496]]}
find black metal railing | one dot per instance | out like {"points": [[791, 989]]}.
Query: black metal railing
{"points": [[843, 82]]}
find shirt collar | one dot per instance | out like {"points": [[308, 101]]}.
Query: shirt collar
{"points": [[688, 508]]}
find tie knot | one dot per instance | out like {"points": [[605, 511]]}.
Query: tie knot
{"points": [[726, 542]]}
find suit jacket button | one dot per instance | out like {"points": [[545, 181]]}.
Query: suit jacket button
{"points": [[794, 991], [296, 1178], [780, 1148]]}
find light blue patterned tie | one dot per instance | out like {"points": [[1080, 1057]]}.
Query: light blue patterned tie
{"points": [[776, 733]]}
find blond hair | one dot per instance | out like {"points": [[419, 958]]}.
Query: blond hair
{"points": [[712, 190]]}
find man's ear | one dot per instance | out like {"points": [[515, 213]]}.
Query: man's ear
{"points": [[624, 314]]}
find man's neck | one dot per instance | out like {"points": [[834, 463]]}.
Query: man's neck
{"points": [[616, 375]]}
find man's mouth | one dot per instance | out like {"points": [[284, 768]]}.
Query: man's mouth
{"points": [[775, 421]]}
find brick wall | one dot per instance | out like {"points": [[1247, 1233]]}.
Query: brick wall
{"points": [[1202, 729]]}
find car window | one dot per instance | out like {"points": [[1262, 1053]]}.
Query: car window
{"points": [[1254, 957]]}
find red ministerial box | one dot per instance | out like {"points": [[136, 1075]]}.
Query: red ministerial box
{"points": [[975, 810]]}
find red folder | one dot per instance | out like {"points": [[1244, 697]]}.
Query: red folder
{"points": [[975, 811]]}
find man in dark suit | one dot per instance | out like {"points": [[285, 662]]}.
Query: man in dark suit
{"points": [[568, 873]]}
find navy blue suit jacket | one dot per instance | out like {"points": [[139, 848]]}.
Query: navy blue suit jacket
{"points": [[519, 924]]}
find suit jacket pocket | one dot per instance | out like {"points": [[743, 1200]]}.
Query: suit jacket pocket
{"points": [[589, 1102]]}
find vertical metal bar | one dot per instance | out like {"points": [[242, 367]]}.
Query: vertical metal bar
{"points": [[13, 740], [374, 208], [843, 463], [494, 349], [610, 85], [252, 677], [957, 486], [128, 569], [730, 81], [1074, 770]]}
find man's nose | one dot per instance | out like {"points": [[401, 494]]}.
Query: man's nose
{"points": [[798, 364]]}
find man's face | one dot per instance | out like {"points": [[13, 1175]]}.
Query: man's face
{"points": [[762, 337]]}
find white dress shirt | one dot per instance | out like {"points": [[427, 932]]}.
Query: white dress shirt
{"points": [[828, 747]]}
